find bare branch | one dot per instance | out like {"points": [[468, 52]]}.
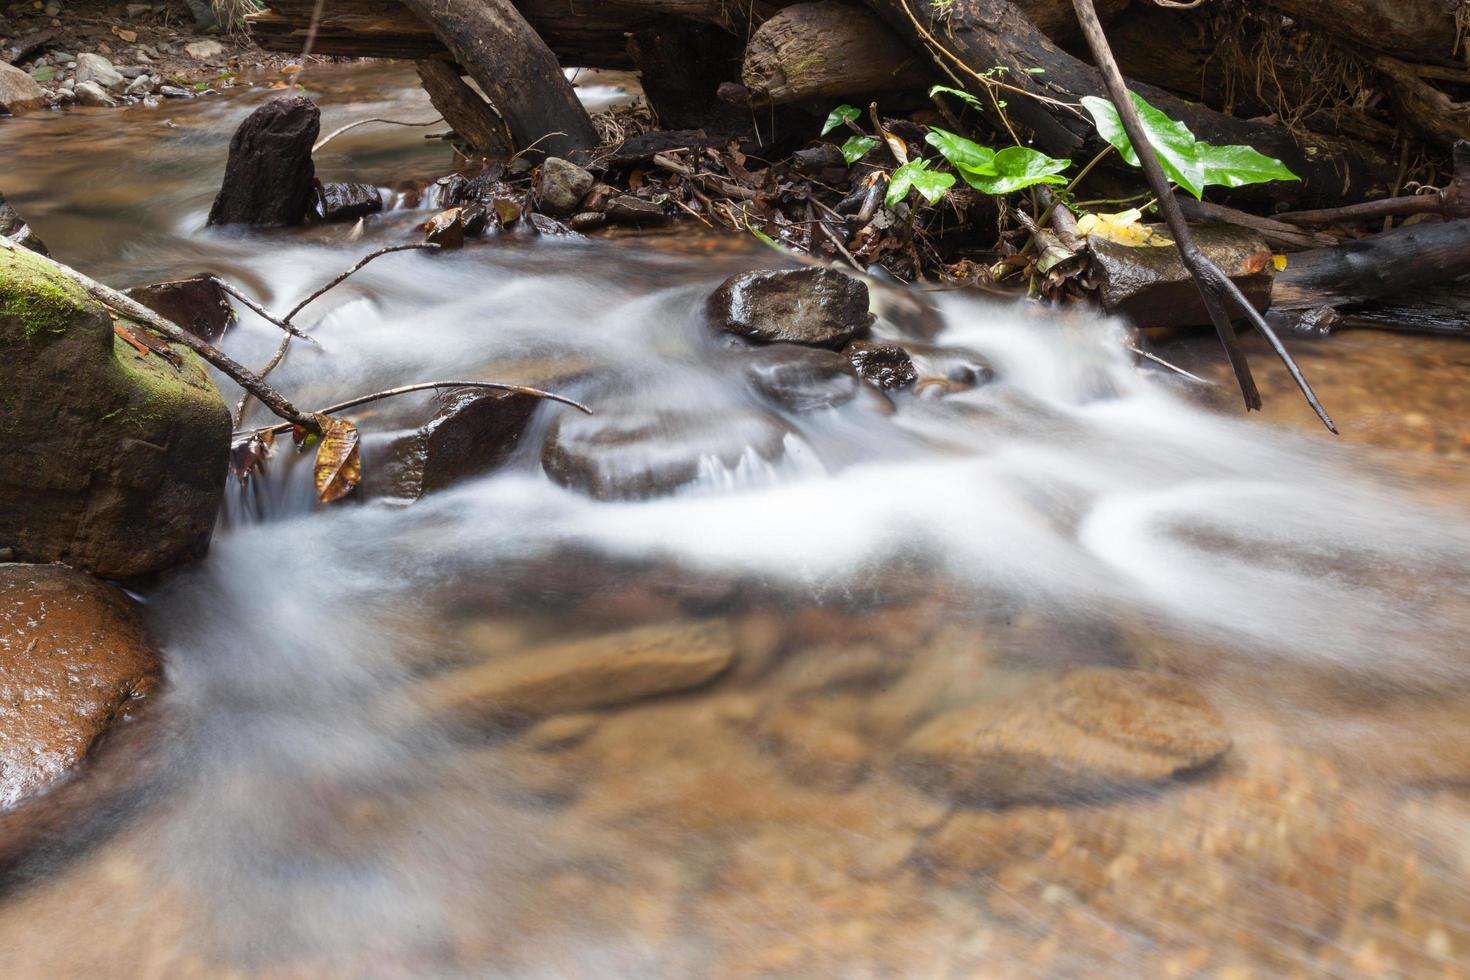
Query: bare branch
{"points": [[429, 386], [363, 122]]}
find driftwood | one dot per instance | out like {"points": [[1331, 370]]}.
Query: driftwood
{"points": [[828, 50], [470, 116], [1392, 263]]}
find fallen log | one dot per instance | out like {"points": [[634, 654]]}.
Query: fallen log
{"points": [[513, 67], [1041, 84], [827, 50], [1424, 30], [471, 117], [1393, 263]]}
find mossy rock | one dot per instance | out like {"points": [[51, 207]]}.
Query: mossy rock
{"points": [[115, 461]]}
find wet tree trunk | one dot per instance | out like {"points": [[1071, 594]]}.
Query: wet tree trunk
{"points": [[515, 69], [467, 113]]}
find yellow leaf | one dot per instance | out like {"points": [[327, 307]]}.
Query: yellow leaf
{"points": [[338, 463], [1279, 262], [1125, 228]]}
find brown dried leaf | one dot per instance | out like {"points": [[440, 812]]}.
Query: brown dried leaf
{"points": [[145, 343], [247, 454], [338, 463], [445, 229], [127, 37]]}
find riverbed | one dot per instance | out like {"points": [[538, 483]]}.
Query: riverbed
{"points": [[340, 801]]}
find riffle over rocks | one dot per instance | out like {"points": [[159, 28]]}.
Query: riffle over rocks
{"points": [[815, 306], [74, 659], [114, 461], [270, 179]]}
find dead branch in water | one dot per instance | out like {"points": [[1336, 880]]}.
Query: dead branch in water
{"points": [[363, 122], [1215, 287]]}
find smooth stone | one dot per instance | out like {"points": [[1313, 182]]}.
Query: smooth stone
{"points": [[97, 69], [92, 94], [816, 307], [1093, 733], [579, 675], [205, 50], [562, 185], [74, 657], [631, 449], [347, 201], [19, 92], [801, 379]]}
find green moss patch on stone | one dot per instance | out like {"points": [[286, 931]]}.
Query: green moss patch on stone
{"points": [[43, 302]]}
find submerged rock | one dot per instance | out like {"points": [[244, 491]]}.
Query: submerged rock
{"points": [[73, 659], [884, 365], [114, 461], [801, 379], [1094, 732], [562, 185], [816, 307], [198, 304], [631, 450], [19, 92], [474, 431], [600, 672], [270, 179]]}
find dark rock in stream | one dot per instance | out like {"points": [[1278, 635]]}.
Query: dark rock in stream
{"points": [[626, 209], [885, 365], [474, 431], [632, 450], [1151, 287], [816, 307], [198, 304], [270, 179], [347, 202], [801, 379], [74, 658], [13, 227], [114, 461]]}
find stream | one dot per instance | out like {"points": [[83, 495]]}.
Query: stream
{"points": [[324, 793]]}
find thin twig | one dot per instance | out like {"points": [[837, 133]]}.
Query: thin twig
{"points": [[363, 122], [1215, 287], [131, 308], [280, 353], [427, 386], [259, 310], [1172, 367]]}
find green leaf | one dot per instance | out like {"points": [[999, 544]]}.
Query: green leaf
{"points": [[856, 148], [1016, 168], [916, 175], [962, 153], [958, 93], [44, 74], [840, 116], [1188, 162]]}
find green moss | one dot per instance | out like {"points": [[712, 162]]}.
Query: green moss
{"points": [[41, 300]]}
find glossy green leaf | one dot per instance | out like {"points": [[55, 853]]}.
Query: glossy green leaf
{"points": [[916, 176], [1016, 168], [962, 153], [958, 93], [1190, 163], [840, 116], [857, 147]]}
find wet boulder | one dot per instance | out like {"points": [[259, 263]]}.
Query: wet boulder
{"points": [[14, 227], [816, 307], [99, 71], [882, 365], [562, 185], [802, 379], [74, 660], [114, 460], [631, 450], [19, 92], [199, 304], [1091, 734], [347, 202], [473, 432], [1150, 286], [270, 179]]}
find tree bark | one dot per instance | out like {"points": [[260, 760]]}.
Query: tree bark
{"points": [[1395, 262], [977, 36], [515, 69], [469, 115], [828, 50], [1421, 30]]}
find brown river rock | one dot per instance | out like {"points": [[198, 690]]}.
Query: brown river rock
{"points": [[73, 656], [1094, 732]]}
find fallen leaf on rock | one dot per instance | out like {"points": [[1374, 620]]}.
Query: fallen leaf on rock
{"points": [[145, 343], [338, 463], [290, 69], [128, 37], [1125, 228], [445, 229]]}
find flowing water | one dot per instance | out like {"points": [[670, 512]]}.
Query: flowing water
{"points": [[325, 789]]}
